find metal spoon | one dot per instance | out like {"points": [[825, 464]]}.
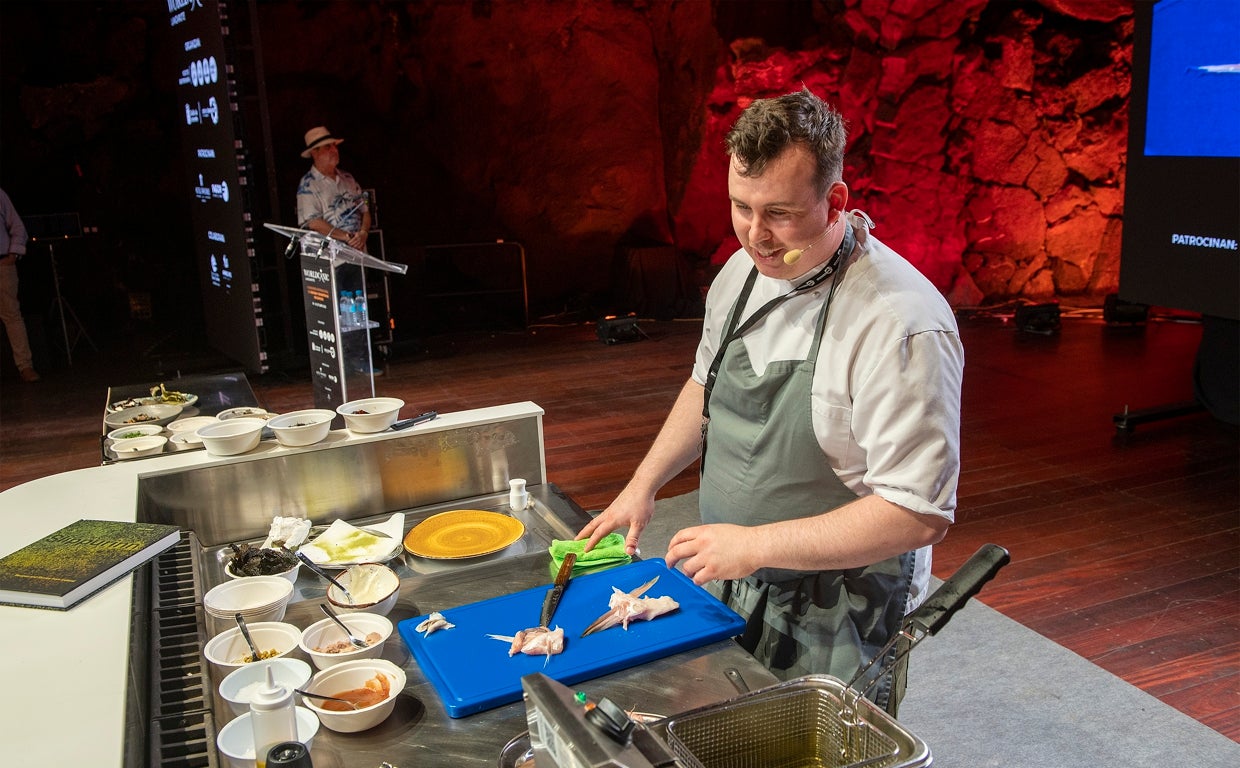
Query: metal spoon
{"points": [[332, 615], [314, 567], [245, 632], [329, 698]]}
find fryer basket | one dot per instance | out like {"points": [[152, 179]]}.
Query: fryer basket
{"points": [[808, 722], [820, 721]]}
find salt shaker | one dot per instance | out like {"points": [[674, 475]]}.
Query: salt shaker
{"points": [[518, 498], [273, 717]]}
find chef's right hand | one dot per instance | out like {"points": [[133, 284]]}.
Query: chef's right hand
{"points": [[630, 509]]}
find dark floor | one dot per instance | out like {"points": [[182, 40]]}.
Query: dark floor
{"points": [[1125, 548]]}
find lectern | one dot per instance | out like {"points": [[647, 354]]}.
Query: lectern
{"points": [[341, 363]]}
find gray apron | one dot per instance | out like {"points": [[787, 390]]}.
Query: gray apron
{"points": [[765, 465]]}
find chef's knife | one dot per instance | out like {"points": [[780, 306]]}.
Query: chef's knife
{"points": [[557, 590]]}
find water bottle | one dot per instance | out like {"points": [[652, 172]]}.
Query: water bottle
{"points": [[359, 309], [273, 717], [346, 310]]}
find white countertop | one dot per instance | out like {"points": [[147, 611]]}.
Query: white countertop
{"points": [[65, 672]]}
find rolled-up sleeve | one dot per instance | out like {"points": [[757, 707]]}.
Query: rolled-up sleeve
{"points": [[906, 422]]}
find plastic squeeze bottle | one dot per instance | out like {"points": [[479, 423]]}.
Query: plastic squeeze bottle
{"points": [[273, 717]]}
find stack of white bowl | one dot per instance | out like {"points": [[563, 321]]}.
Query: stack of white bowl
{"points": [[256, 598]]}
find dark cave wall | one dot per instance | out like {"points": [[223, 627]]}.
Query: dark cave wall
{"points": [[988, 138]]}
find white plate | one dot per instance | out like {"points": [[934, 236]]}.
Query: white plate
{"points": [[142, 414], [244, 413], [190, 424], [394, 527], [133, 401]]}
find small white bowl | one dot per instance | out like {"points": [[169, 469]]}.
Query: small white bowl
{"points": [[236, 740], [250, 597], [227, 648], [379, 588], [349, 676], [380, 413], [135, 430], [324, 633], [302, 427], [147, 445], [228, 438], [245, 412], [159, 414], [239, 686], [190, 424]]}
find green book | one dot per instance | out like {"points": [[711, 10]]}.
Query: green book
{"points": [[70, 565]]}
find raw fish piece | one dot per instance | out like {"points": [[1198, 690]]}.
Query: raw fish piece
{"points": [[535, 641], [631, 606], [433, 622]]}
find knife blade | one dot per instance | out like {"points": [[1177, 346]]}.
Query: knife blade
{"points": [[552, 600]]}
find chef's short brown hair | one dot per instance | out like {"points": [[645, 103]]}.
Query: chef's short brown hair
{"points": [[767, 127]]}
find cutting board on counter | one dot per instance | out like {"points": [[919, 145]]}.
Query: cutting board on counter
{"points": [[473, 672]]}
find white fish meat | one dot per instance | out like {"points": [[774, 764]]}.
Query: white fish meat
{"points": [[433, 622], [535, 641], [631, 606]]}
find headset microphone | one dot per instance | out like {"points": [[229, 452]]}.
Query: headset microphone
{"points": [[793, 256]]}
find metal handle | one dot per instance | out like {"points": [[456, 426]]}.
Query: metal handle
{"points": [[319, 571], [966, 582]]}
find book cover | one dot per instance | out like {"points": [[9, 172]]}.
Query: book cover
{"points": [[66, 567]]}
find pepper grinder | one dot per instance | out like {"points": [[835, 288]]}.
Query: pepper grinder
{"points": [[518, 498], [289, 754], [272, 716]]}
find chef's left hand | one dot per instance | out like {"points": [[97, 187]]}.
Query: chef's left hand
{"points": [[709, 552]]}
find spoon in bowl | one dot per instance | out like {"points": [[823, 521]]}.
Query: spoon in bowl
{"points": [[245, 632], [355, 641], [328, 698], [315, 567]]}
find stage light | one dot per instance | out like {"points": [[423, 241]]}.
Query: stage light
{"points": [[1117, 311], [1038, 318], [619, 330]]}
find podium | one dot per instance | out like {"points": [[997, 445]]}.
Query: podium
{"points": [[341, 359]]}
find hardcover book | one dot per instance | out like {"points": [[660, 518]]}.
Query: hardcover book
{"points": [[66, 567]]}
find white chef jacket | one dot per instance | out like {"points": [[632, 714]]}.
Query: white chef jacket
{"points": [[886, 389]]}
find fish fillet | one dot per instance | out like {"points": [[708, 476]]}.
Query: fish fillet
{"points": [[535, 641], [631, 606]]}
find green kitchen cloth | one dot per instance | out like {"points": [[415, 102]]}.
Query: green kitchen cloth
{"points": [[608, 552]]}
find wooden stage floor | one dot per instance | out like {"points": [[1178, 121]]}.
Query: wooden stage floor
{"points": [[1125, 548]]}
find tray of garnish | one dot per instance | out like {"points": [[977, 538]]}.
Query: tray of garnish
{"points": [[470, 665]]}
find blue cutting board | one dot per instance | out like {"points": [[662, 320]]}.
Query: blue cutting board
{"points": [[472, 672]]}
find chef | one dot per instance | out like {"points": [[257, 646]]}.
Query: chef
{"points": [[825, 407]]}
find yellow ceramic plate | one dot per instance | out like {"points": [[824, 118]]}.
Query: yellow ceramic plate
{"points": [[463, 533]]}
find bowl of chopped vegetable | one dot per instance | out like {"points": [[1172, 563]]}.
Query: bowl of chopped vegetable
{"points": [[302, 427], [371, 414], [160, 413], [135, 430], [274, 640], [246, 561]]}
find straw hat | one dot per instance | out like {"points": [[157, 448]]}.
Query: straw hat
{"points": [[317, 137]]}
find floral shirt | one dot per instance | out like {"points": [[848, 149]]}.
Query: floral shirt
{"points": [[339, 201]]}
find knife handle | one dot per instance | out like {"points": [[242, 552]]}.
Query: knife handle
{"points": [[566, 569]]}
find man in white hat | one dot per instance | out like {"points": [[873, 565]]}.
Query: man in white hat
{"points": [[329, 200]]}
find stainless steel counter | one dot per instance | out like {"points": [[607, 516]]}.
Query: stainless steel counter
{"points": [[420, 732]]}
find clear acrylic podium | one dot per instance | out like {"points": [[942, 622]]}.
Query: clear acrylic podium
{"points": [[341, 361]]}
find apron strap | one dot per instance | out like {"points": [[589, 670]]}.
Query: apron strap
{"points": [[733, 332]]}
